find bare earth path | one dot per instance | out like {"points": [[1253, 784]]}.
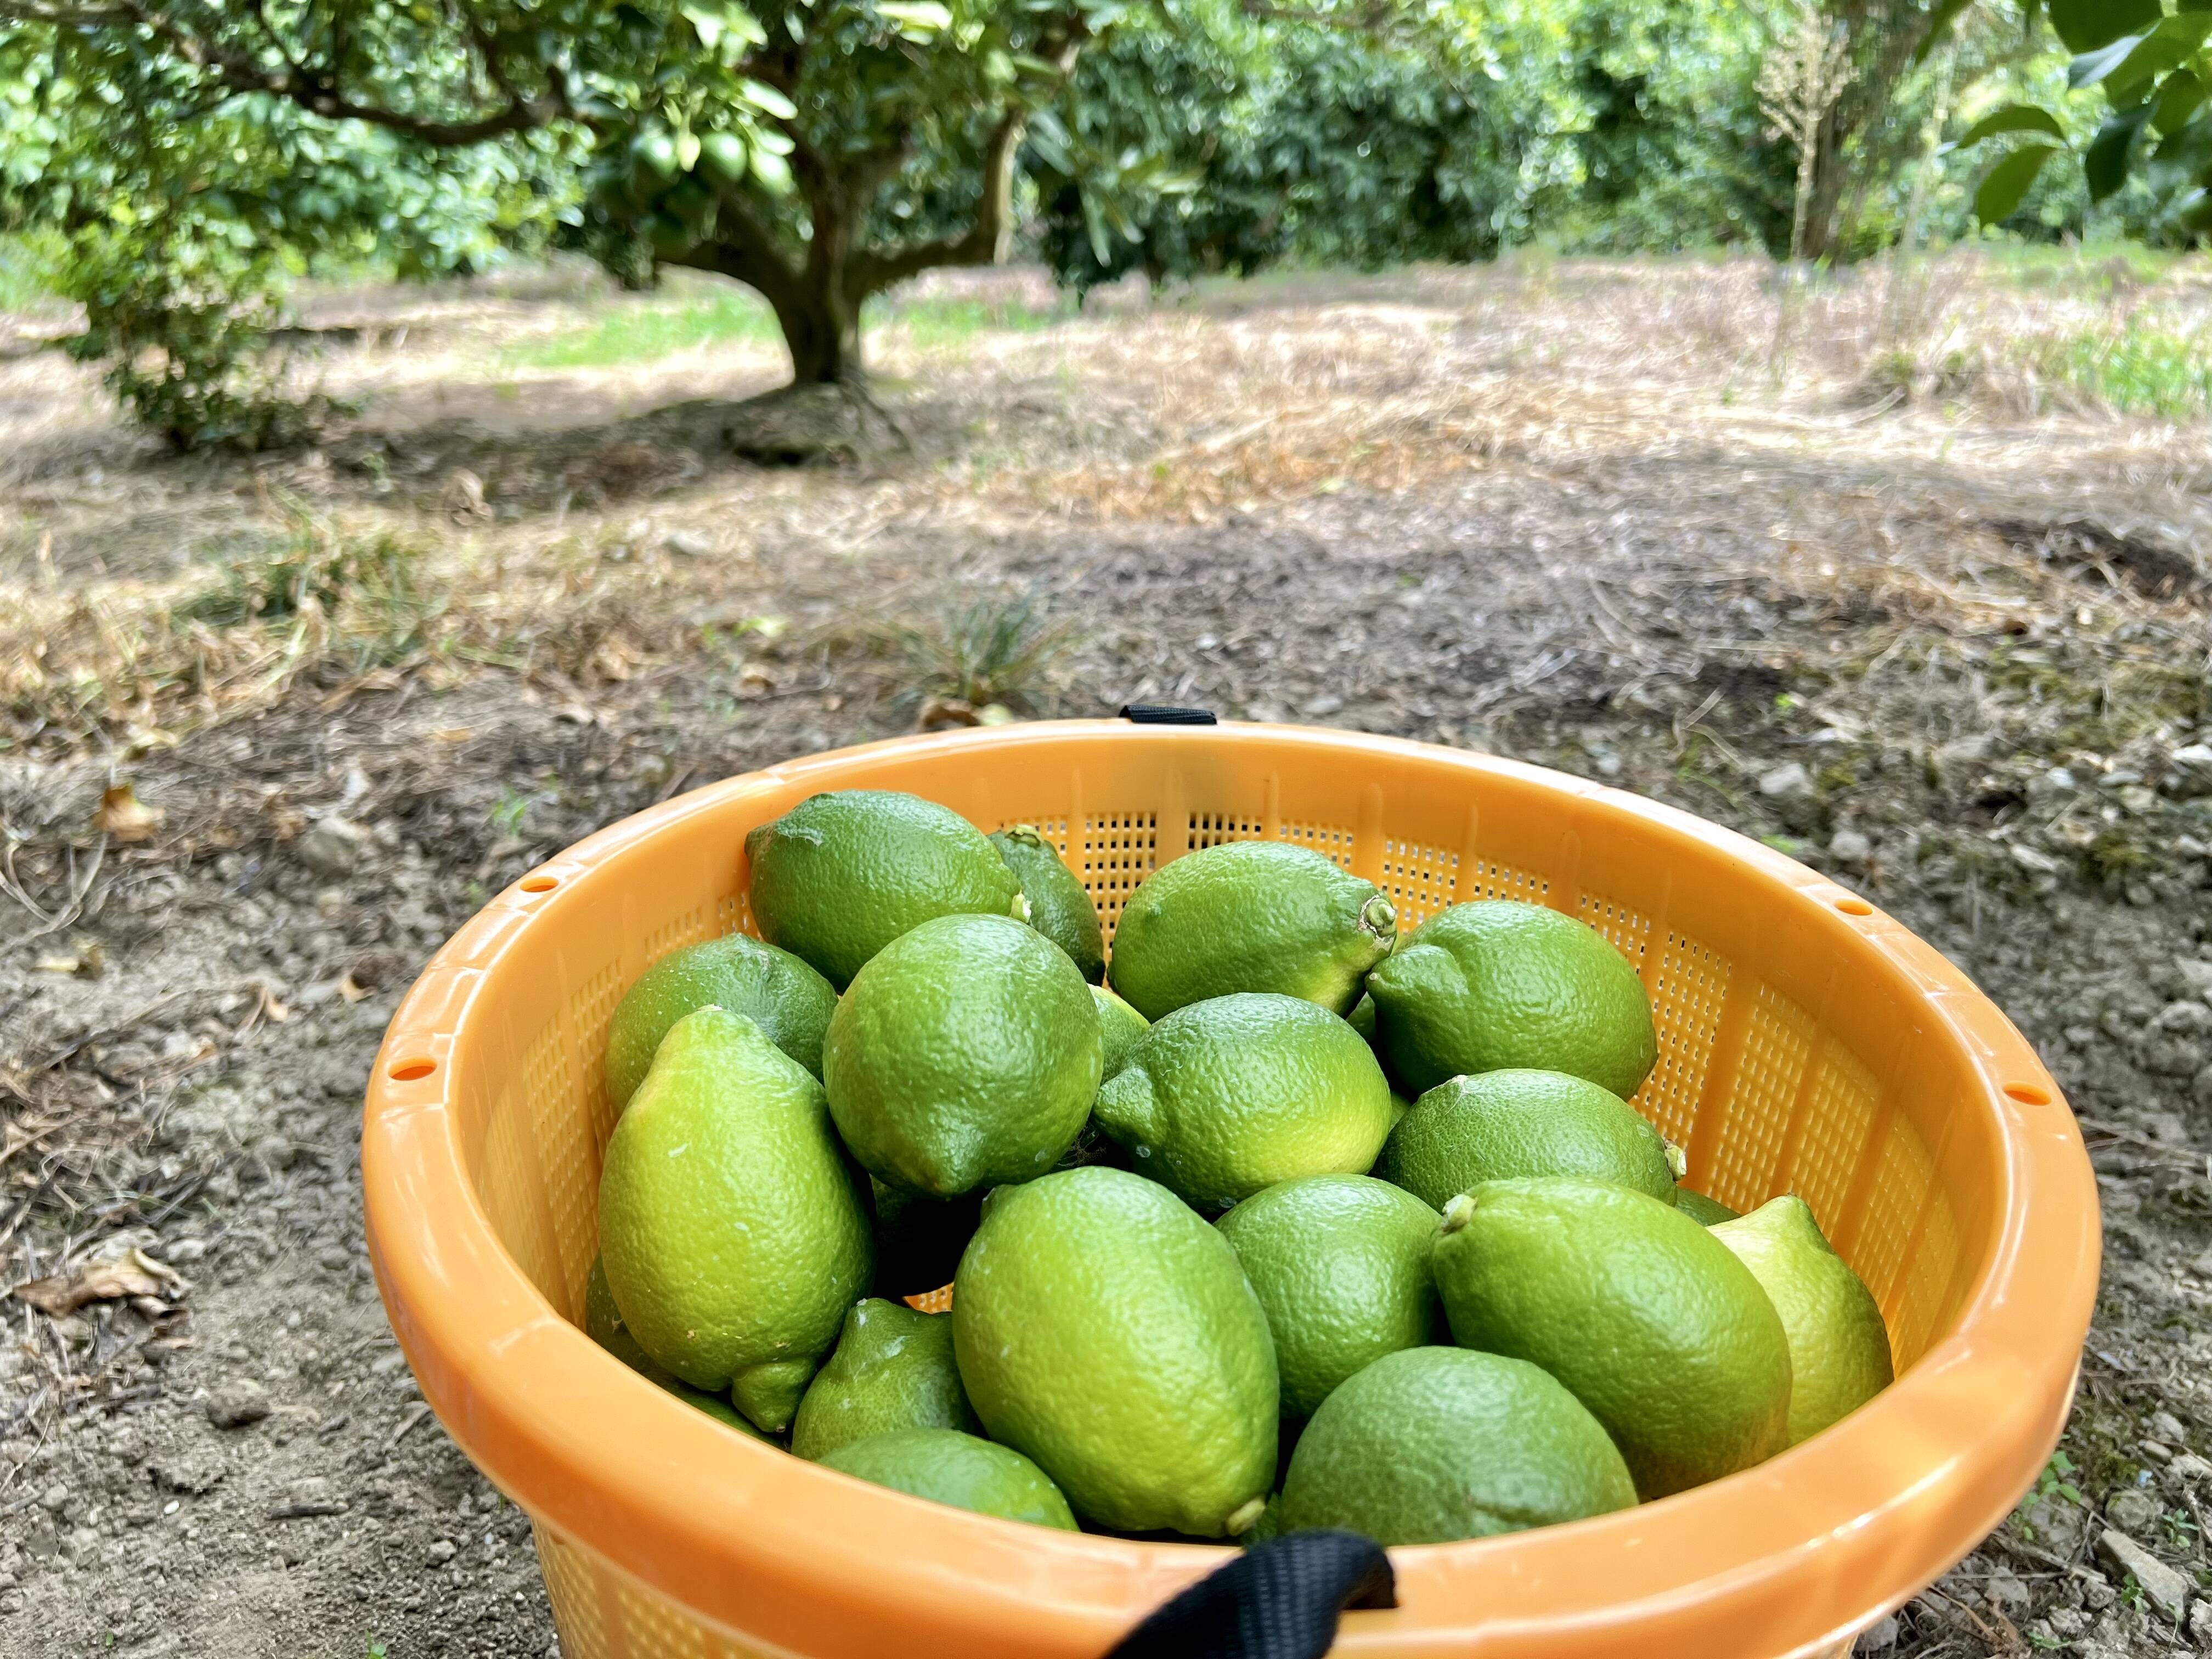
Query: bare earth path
{"points": [[1954, 653]]}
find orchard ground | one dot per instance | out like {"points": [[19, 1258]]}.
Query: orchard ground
{"points": [[1910, 597]]}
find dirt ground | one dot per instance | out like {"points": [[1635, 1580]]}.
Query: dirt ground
{"points": [[1934, 630]]}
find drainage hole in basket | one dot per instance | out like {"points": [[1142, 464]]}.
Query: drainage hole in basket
{"points": [[540, 883], [2027, 1094], [1853, 906], [411, 1071]]}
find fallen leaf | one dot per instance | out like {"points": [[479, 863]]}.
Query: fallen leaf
{"points": [[124, 817], [58, 965], [349, 990], [939, 713], [272, 1009], [452, 734], [116, 1270]]}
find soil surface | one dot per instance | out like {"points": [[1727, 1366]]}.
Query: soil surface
{"points": [[1951, 652]]}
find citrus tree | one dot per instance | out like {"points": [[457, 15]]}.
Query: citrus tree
{"points": [[819, 151], [2151, 68]]}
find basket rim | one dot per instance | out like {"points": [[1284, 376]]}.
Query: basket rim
{"points": [[1804, 1548]]}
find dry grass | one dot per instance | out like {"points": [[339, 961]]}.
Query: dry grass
{"points": [[524, 528]]}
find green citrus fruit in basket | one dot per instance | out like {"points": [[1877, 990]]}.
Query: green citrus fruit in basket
{"points": [[734, 1236], [1249, 915], [773, 988], [1647, 1318], [1839, 1346], [1106, 1331], [1119, 1027], [964, 1055], [1059, 908], [1225, 1097], [1432, 1444], [1705, 1211], [603, 1323], [948, 1467], [918, 1240], [841, 876], [1340, 1264], [893, 1370], [1497, 1125], [1496, 984]]}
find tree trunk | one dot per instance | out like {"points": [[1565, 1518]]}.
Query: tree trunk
{"points": [[824, 333]]}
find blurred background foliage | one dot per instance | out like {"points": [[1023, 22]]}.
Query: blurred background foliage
{"points": [[172, 167]]}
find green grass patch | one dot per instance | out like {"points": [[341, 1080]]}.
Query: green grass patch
{"points": [[637, 333], [2141, 369], [25, 275], [2093, 266], [641, 332]]}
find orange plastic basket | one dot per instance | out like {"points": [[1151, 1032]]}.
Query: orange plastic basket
{"points": [[1806, 1044]]}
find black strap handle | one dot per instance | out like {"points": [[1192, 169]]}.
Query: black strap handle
{"points": [[1162, 713], [1279, 1600]]}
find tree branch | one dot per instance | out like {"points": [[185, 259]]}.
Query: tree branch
{"points": [[986, 242], [744, 251], [315, 90]]}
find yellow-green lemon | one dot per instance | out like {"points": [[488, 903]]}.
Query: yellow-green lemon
{"points": [[773, 988], [840, 875], [1249, 915], [1119, 1027], [733, 1234], [893, 1368], [1495, 984], [603, 1323], [1431, 1444], [964, 1055], [1705, 1211], [1340, 1264], [1059, 908], [1839, 1346], [1107, 1332], [1225, 1097], [1647, 1318], [1497, 1124], [948, 1467]]}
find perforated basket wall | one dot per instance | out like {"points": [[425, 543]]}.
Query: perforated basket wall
{"points": [[1785, 1064]]}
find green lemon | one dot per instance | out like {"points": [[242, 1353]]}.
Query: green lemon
{"points": [[1839, 1345], [773, 988], [918, 1240], [1225, 1097], [732, 1235], [1340, 1264], [841, 876], [1059, 908], [1429, 1445], [1497, 1124], [948, 1467], [964, 1055], [1498, 984], [1362, 1018], [1106, 1331], [1647, 1318], [1249, 915], [603, 1323], [1705, 1211], [1119, 1027], [893, 1370]]}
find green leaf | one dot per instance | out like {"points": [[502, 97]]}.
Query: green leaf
{"points": [[768, 98], [687, 149], [2104, 163], [2093, 67], [2013, 117], [2007, 181], [2180, 98], [916, 18], [2085, 25]]}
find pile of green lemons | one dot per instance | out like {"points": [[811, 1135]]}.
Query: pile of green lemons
{"points": [[1195, 1235]]}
